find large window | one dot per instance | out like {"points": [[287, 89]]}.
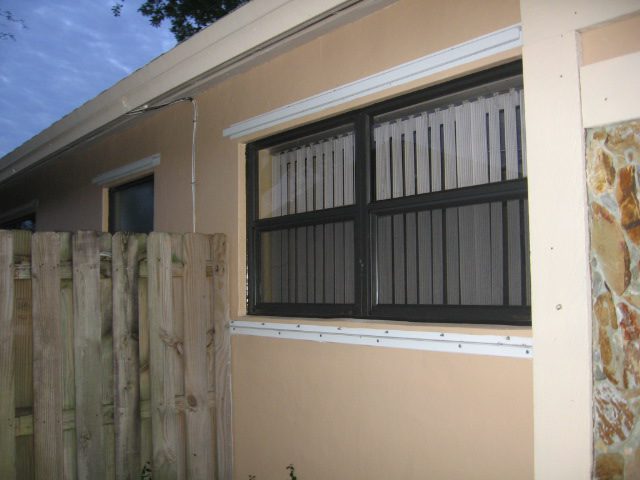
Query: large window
{"points": [[412, 209]]}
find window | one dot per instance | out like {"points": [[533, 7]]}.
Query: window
{"points": [[131, 206], [412, 209], [25, 222]]}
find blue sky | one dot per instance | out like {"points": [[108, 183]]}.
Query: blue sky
{"points": [[69, 52]]}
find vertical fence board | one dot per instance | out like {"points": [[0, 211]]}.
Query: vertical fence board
{"points": [[196, 324], [88, 355], [177, 299], [107, 375], [68, 367], [126, 251], [162, 345], [222, 343], [47, 357], [7, 377], [23, 352], [146, 448]]}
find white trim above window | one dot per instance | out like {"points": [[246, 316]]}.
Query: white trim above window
{"points": [[127, 172], [466, 52]]}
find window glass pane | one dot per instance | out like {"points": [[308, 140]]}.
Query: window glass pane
{"points": [[470, 141], [307, 175], [308, 264], [470, 255], [131, 207]]}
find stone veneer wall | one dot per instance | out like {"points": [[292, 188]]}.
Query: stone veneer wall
{"points": [[613, 169]]}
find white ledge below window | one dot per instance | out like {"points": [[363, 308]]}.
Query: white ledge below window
{"points": [[493, 345]]}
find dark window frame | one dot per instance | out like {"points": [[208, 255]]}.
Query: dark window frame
{"points": [[364, 213]]}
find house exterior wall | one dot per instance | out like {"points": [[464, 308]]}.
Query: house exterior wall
{"points": [[340, 411]]}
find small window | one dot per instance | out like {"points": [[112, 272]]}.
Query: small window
{"points": [[412, 209], [131, 206]]}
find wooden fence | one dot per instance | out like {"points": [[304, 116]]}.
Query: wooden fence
{"points": [[114, 356]]}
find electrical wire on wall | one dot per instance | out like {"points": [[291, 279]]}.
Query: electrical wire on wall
{"points": [[146, 108]]}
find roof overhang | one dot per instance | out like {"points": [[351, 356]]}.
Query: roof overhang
{"points": [[251, 34]]}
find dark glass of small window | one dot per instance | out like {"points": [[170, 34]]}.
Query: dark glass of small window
{"points": [[131, 206], [27, 222]]}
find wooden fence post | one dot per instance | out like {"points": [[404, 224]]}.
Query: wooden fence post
{"points": [[7, 373], [47, 357], [197, 323], [222, 348], [126, 250], [162, 342], [88, 355]]}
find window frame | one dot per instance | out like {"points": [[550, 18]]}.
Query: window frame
{"points": [[365, 212]]}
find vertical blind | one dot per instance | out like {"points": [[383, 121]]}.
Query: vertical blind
{"points": [[312, 264], [314, 176], [458, 254], [473, 143], [467, 255]]}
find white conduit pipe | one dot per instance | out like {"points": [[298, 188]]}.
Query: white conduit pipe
{"points": [[146, 108]]}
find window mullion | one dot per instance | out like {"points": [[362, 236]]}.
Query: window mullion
{"points": [[253, 256], [363, 197]]}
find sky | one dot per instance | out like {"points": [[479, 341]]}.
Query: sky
{"points": [[69, 52]]}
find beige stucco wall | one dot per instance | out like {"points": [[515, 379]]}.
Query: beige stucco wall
{"points": [[339, 411], [335, 411]]}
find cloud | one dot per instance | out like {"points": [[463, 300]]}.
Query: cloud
{"points": [[70, 52]]}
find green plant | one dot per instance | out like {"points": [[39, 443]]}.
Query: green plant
{"points": [[290, 468], [292, 472], [146, 471]]}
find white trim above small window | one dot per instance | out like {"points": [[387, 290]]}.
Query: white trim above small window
{"points": [[127, 172], [463, 53]]}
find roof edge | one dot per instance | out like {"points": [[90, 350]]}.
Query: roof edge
{"points": [[258, 25]]}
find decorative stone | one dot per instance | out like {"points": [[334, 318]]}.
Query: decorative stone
{"points": [[633, 299], [628, 201], [609, 466], [601, 173], [623, 137], [606, 355], [631, 373], [614, 420], [629, 322], [605, 311], [632, 467], [610, 248], [599, 135]]}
